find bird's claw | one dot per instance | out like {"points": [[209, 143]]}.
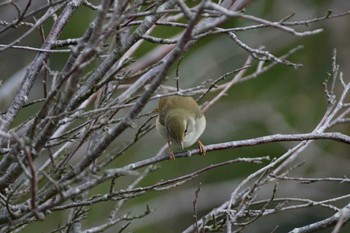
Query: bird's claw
{"points": [[201, 148]]}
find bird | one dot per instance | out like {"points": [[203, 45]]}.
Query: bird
{"points": [[181, 122]]}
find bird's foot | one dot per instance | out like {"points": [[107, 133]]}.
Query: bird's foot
{"points": [[201, 148], [170, 152]]}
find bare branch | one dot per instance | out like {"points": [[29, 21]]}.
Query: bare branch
{"points": [[79, 131]]}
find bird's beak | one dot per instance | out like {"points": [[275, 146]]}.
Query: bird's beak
{"points": [[182, 145]]}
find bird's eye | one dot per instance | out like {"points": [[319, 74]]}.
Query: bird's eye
{"points": [[186, 130]]}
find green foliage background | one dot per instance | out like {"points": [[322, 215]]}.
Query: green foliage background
{"points": [[283, 100]]}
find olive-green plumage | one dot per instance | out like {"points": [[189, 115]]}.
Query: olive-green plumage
{"points": [[169, 103], [180, 120]]}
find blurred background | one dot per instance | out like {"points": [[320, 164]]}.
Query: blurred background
{"points": [[283, 100]]}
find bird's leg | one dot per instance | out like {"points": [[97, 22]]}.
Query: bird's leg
{"points": [[201, 148], [170, 152]]}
